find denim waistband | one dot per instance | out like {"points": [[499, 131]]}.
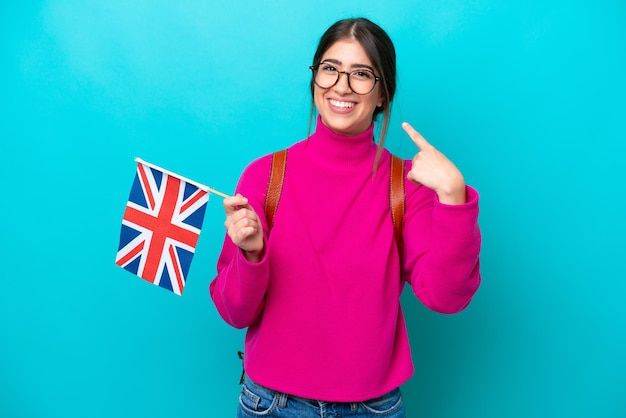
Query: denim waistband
{"points": [[283, 397]]}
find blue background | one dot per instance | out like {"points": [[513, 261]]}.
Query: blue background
{"points": [[527, 98]]}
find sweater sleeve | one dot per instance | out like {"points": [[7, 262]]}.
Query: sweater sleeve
{"points": [[441, 249], [238, 290]]}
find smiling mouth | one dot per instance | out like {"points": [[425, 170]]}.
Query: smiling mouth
{"points": [[341, 105]]}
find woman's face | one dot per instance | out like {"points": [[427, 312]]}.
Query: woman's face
{"points": [[342, 110]]}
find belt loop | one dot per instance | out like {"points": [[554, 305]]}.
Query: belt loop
{"points": [[354, 406], [282, 400]]}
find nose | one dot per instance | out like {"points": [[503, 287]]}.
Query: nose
{"points": [[343, 84]]}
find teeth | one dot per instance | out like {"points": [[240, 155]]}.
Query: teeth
{"points": [[342, 105]]}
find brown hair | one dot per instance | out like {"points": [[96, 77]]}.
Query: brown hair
{"points": [[380, 51]]}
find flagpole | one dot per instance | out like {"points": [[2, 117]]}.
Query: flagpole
{"points": [[198, 185], [208, 189]]}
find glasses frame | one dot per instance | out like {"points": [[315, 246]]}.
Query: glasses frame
{"points": [[315, 68]]}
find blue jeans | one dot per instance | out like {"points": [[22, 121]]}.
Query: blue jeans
{"points": [[258, 401]]}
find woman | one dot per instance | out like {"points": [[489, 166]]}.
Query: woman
{"points": [[320, 294]]}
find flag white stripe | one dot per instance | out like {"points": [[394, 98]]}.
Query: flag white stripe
{"points": [[169, 173]]}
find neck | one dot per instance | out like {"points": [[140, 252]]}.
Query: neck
{"points": [[334, 147]]}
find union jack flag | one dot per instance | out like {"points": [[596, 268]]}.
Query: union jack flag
{"points": [[161, 226]]}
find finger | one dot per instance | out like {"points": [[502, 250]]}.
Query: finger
{"points": [[417, 138], [235, 216], [240, 236], [247, 231], [242, 230], [234, 203], [241, 220]]}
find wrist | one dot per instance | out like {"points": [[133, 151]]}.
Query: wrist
{"points": [[453, 194]]}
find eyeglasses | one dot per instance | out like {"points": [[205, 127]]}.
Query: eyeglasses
{"points": [[360, 81]]}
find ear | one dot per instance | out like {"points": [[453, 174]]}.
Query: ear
{"points": [[381, 101]]}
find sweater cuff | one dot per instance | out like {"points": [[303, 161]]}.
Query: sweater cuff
{"points": [[244, 263], [471, 199]]}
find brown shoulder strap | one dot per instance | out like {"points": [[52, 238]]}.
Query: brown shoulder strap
{"points": [[396, 193], [275, 185]]}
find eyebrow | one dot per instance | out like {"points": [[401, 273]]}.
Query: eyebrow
{"points": [[337, 62]]}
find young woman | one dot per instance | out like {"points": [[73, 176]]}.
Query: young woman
{"points": [[320, 292]]}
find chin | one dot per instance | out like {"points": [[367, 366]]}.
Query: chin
{"points": [[344, 127]]}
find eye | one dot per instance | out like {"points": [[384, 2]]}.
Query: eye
{"points": [[328, 68], [362, 74]]}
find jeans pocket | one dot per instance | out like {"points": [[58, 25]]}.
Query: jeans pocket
{"points": [[386, 405], [257, 401]]}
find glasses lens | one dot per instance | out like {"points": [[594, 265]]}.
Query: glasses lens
{"points": [[326, 76], [362, 81]]}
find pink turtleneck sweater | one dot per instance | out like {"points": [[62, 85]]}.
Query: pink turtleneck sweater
{"points": [[322, 307]]}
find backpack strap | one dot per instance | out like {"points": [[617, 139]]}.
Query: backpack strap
{"points": [[396, 192], [396, 196], [275, 185]]}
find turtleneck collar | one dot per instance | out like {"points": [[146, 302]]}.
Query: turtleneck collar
{"points": [[333, 147]]}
